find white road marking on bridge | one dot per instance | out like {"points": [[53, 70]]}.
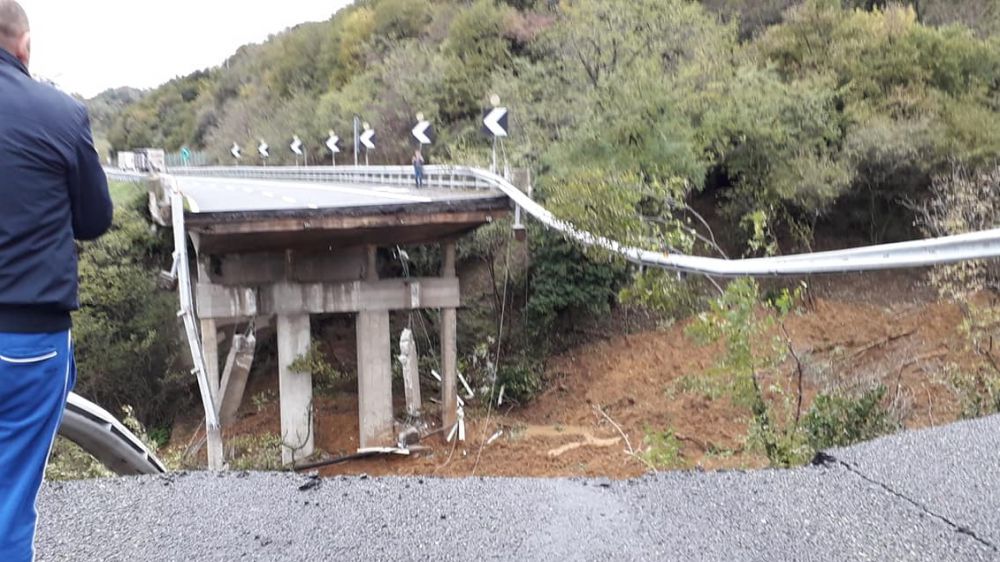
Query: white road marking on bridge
{"points": [[313, 206], [289, 200], [247, 190], [230, 188], [268, 194]]}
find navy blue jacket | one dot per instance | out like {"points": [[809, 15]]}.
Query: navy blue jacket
{"points": [[52, 191]]}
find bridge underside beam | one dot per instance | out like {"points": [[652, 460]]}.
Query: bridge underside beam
{"points": [[218, 301], [321, 230]]}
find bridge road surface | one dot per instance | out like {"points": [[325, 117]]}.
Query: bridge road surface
{"points": [[929, 495], [219, 195]]}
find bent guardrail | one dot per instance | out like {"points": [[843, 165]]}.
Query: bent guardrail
{"points": [[106, 439]]}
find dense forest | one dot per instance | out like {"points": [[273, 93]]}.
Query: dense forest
{"points": [[724, 127]]}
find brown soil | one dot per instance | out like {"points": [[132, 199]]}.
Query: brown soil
{"points": [[885, 327]]}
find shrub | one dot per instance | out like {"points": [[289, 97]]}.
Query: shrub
{"points": [[841, 420], [315, 362], [562, 279], [662, 450], [522, 379], [255, 452], [69, 462]]}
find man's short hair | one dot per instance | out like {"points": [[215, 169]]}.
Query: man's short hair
{"points": [[13, 20]]}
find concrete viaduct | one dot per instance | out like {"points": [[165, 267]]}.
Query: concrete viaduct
{"points": [[278, 245]]}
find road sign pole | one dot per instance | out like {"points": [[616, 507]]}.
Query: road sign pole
{"points": [[494, 167], [357, 122]]}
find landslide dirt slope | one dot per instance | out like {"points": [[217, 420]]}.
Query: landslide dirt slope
{"points": [[888, 327]]}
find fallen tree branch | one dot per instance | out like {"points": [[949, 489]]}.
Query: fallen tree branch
{"points": [[628, 443]]}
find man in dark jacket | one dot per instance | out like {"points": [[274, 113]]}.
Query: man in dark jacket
{"points": [[52, 192]]}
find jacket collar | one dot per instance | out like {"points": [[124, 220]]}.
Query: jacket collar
{"points": [[6, 57]]}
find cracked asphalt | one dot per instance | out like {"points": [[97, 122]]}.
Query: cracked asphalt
{"points": [[925, 495]]}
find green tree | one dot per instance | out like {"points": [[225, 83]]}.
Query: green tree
{"points": [[126, 332]]}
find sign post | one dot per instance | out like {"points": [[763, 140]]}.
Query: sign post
{"points": [[264, 151], [296, 147], [368, 139], [331, 143], [357, 124], [495, 124]]}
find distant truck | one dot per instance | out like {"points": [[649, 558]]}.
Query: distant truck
{"points": [[143, 160], [151, 160], [126, 162]]}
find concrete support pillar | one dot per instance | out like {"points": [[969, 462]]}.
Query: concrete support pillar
{"points": [[449, 351], [410, 361], [210, 349], [374, 380], [295, 388], [374, 370], [234, 378]]}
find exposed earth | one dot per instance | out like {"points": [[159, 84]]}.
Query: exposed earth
{"points": [[888, 327]]}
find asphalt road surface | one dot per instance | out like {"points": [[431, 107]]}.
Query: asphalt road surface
{"points": [[929, 495], [211, 195]]}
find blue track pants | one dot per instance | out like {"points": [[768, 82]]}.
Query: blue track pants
{"points": [[37, 372]]}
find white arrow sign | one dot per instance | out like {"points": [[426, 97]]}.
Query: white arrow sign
{"points": [[496, 121], [331, 143], [235, 151], [368, 139], [296, 145], [422, 132], [264, 150]]}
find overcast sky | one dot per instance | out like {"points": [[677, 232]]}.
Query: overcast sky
{"points": [[89, 46]]}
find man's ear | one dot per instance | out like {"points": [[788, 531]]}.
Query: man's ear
{"points": [[23, 49]]}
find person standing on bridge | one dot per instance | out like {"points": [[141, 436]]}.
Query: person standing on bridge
{"points": [[52, 191], [418, 168]]}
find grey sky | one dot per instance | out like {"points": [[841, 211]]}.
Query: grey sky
{"points": [[87, 47]]}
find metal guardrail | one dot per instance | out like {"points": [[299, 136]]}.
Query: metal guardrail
{"points": [[100, 434], [125, 176], [444, 177], [918, 253]]}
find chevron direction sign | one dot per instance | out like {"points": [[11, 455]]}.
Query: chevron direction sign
{"points": [[423, 132], [296, 145], [331, 143], [495, 121], [368, 139], [235, 151], [264, 150]]}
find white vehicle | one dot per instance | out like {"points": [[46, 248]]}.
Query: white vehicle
{"points": [[151, 160]]}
